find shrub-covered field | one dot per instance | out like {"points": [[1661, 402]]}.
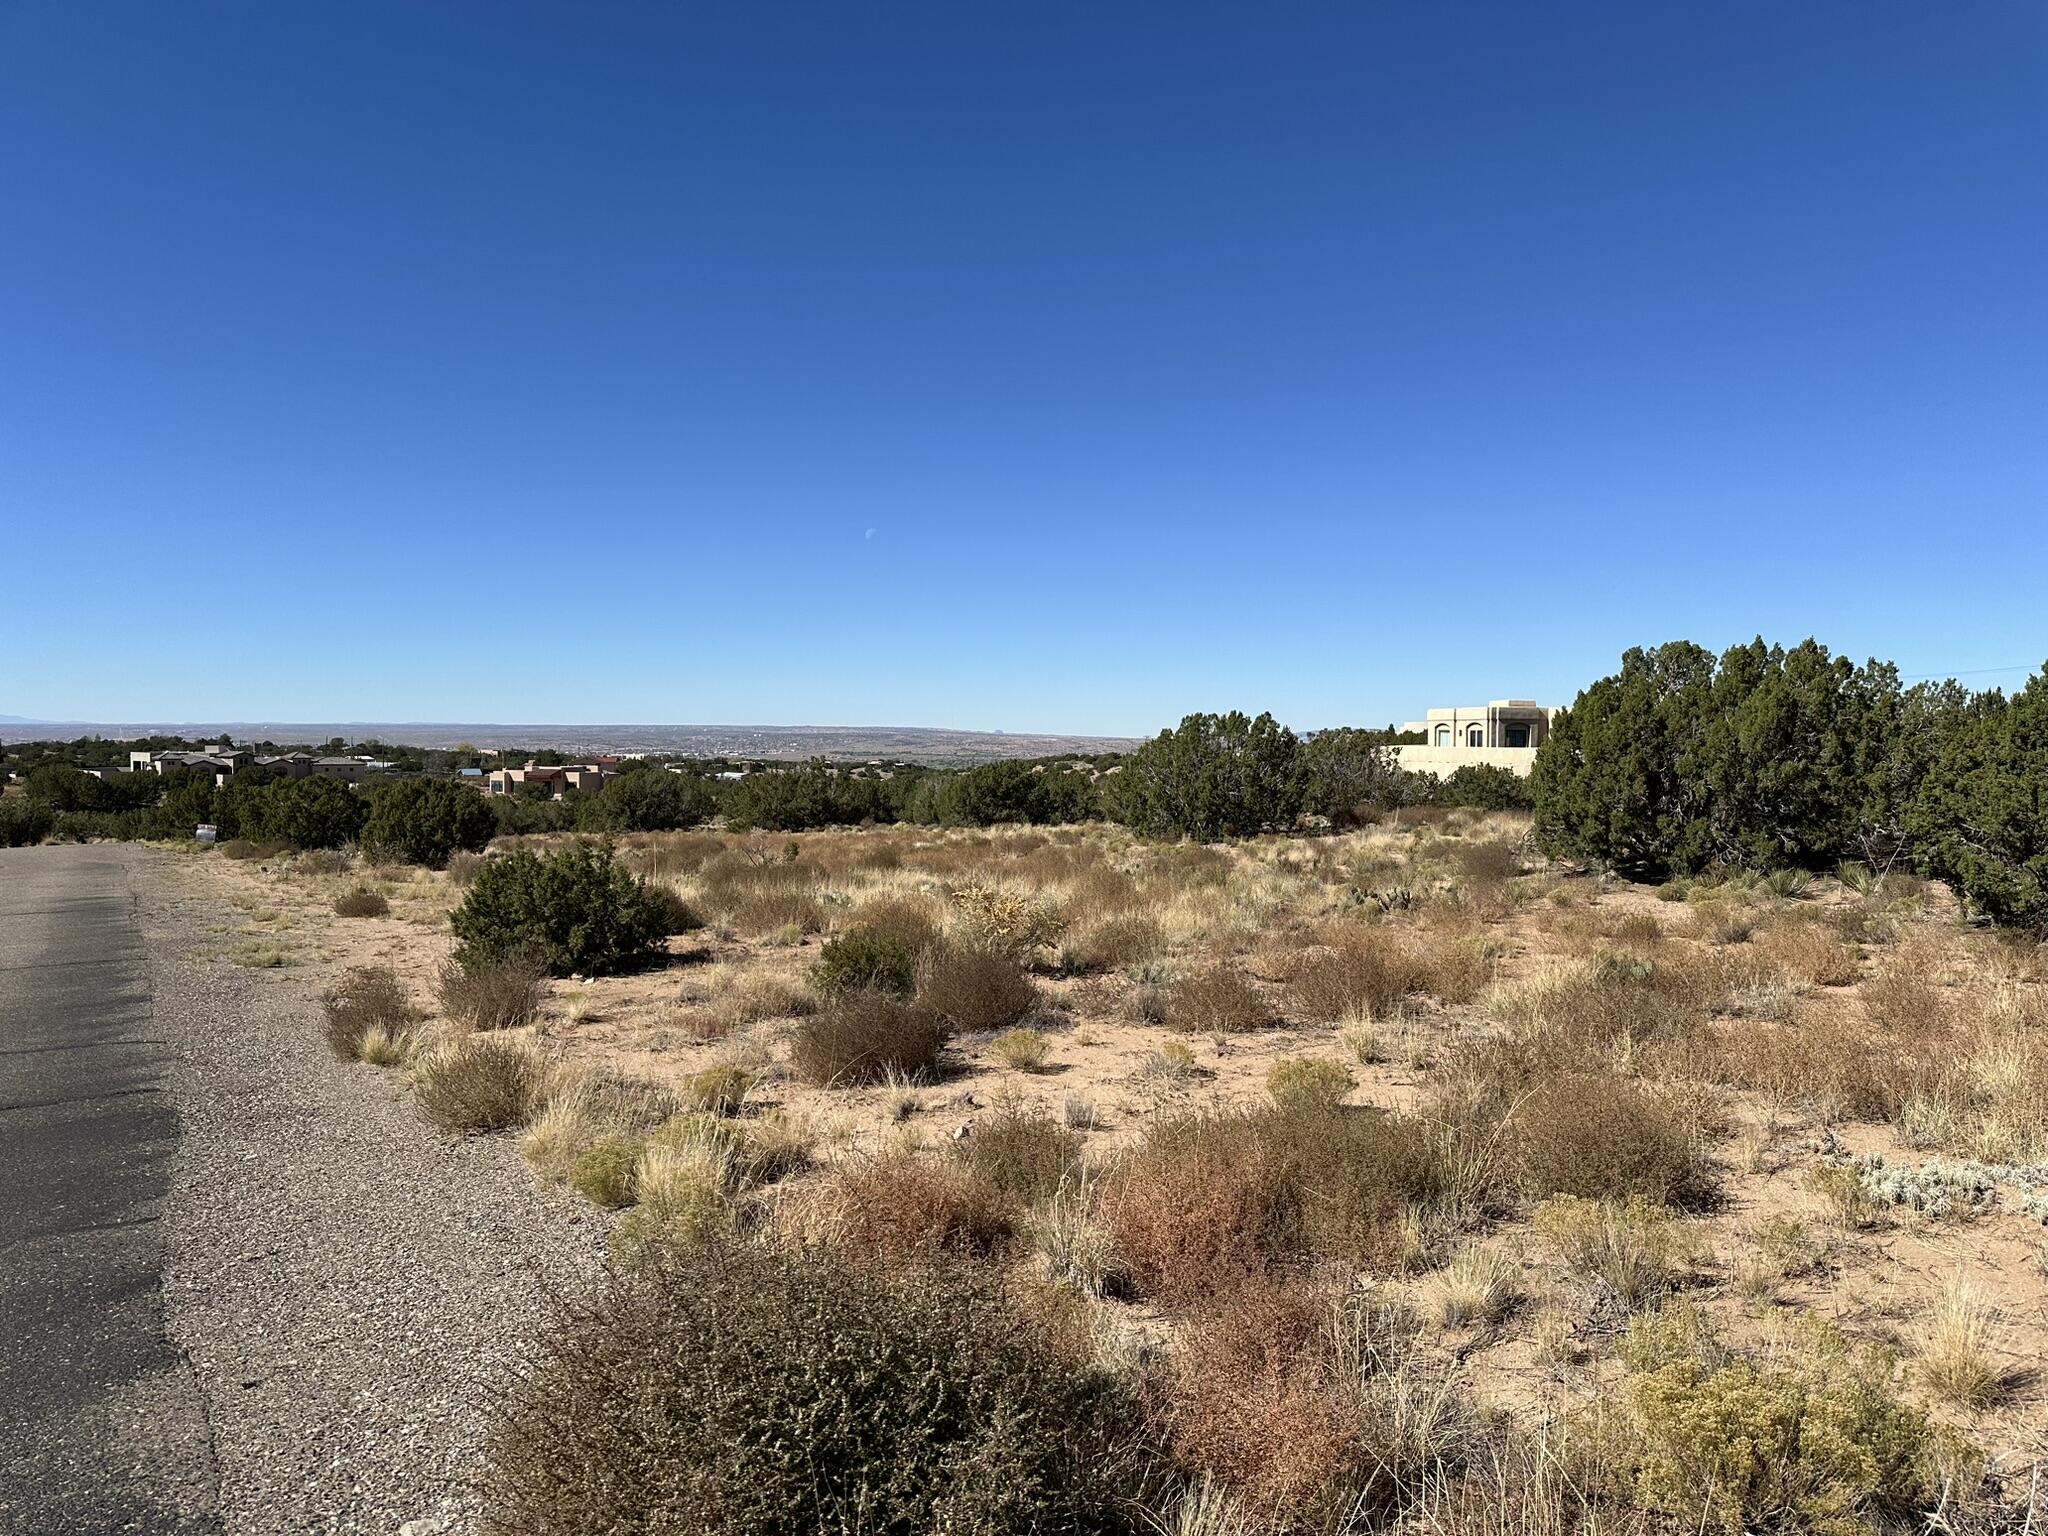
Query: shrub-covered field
{"points": [[1387, 1177]]}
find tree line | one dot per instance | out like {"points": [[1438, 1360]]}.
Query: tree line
{"points": [[1770, 758]]}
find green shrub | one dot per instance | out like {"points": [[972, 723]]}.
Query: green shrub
{"points": [[311, 812], [423, 821], [862, 958], [576, 910], [24, 823], [1214, 777], [603, 1172], [732, 1390], [647, 799]]}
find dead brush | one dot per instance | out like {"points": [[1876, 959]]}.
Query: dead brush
{"points": [[1605, 1136], [506, 993], [1812, 952], [975, 988], [1363, 973], [1112, 944], [1006, 918], [323, 861], [915, 923], [1025, 1153], [369, 1016], [864, 1037], [478, 1084], [904, 1206], [1216, 1001], [361, 902]]}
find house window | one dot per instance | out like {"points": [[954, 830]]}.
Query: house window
{"points": [[1518, 735], [1476, 736], [1443, 735]]}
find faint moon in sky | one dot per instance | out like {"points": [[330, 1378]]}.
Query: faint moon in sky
{"points": [[869, 534]]}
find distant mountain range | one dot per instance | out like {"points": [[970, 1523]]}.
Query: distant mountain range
{"points": [[898, 743]]}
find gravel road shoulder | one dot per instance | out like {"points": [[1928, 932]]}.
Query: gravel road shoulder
{"points": [[344, 1281]]}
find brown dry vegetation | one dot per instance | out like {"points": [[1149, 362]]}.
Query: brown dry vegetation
{"points": [[1576, 1109]]}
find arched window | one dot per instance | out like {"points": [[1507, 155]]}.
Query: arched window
{"points": [[1443, 735], [1475, 736]]}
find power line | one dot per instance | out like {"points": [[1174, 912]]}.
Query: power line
{"points": [[1921, 677]]}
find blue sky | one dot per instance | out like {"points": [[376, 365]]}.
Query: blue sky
{"points": [[1054, 367]]}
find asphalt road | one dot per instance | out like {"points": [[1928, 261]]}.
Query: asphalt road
{"points": [[102, 1425]]}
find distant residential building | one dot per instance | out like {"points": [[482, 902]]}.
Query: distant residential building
{"points": [[223, 762], [1502, 734], [554, 779]]}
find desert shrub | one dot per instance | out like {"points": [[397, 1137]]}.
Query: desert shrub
{"points": [[912, 924], [1215, 776], [647, 798], [1364, 974], [249, 850], [975, 988], [1955, 1357], [1304, 1082], [1730, 1446], [423, 821], [603, 1172], [863, 1036], [740, 1390], [574, 910], [1023, 1153], [1001, 919], [482, 1083], [683, 1184], [1626, 1254], [1813, 953], [1476, 1285], [1485, 787], [1020, 1048], [864, 959], [672, 914], [1112, 944], [1216, 1001], [463, 865], [367, 1001], [24, 823], [718, 1090], [1604, 1136], [322, 861], [1207, 1199], [312, 812], [361, 902], [1979, 821], [775, 911], [505, 993], [902, 1206]]}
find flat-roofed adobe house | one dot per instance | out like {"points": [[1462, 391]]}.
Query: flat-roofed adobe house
{"points": [[586, 778], [1503, 734]]}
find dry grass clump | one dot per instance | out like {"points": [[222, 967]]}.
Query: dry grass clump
{"points": [[1007, 919], [751, 999], [1813, 953], [323, 861], [1215, 1001], [1315, 1412], [1956, 1358], [916, 923], [1626, 1254], [1021, 1049], [1307, 1082], [369, 1017], [718, 1090], [738, 1389], [1113, 944], [1604, 1136], [463, 865], [902, 1206], [975, 988], [1025, 1154], [246, 849], [1364, 974], [361, 902], [506, 993], [864, 1037], [1207, 1198], [478, 1084], [1476, 1285]]}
